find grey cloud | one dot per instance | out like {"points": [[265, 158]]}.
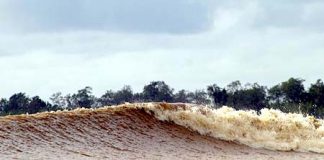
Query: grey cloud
{"points": [[239, 45], [290, 14], [153, 16], [180, 16]]}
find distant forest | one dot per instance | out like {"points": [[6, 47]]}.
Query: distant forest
{"points": [[288, 96]]}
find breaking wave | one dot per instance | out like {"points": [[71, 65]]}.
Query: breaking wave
{"points": [[272, 129], [160, 130]]}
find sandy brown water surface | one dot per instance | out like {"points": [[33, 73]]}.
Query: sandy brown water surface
{"points": [[121, 132]]}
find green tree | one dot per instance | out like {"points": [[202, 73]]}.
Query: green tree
{"points": [[3, 104], [199, 97], [123, 95], [234, 86], [138, 97], [18, 103], [58, 101], [219, 95], [83, 98], [289, 96], [316, 92], [181, 96], [254, 97], [316, 97], [36, 105], [275, 96], [107, 99], [158, 91], [50, 107], [69, 102], [293, 90], [235, 96]]}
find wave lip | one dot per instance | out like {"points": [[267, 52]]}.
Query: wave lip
{"points": [[272, 129]]}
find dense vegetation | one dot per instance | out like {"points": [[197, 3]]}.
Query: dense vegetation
{"points": [[288, 96]]}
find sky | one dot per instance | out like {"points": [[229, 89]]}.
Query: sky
{"points": [[51, 46]]}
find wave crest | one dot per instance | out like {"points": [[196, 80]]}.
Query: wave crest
{"points": [[272, 129], [159, 129]]}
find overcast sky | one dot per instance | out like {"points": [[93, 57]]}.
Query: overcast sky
{"points": [[48, 46]]}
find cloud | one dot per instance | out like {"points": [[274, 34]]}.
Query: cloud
{"points": [[306, 15], [189, 44], [155, 16], [67, 62]]}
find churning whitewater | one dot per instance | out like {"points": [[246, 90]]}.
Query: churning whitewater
{"points": [[161, 131], [271, 129]]}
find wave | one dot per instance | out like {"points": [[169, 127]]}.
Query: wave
{"points": [[272, 129], [160, 130]]}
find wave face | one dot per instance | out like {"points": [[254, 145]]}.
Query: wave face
{"points": [[161, 131]]}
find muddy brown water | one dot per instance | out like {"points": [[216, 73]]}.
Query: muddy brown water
{"points": [[117, 133]]}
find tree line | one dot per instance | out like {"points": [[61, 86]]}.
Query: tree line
{"points": [[288, 96]]}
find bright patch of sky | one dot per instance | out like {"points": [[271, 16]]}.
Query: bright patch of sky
{"points": [[48, 46]]}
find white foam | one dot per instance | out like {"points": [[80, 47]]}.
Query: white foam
{"points": [[272, 129]]}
